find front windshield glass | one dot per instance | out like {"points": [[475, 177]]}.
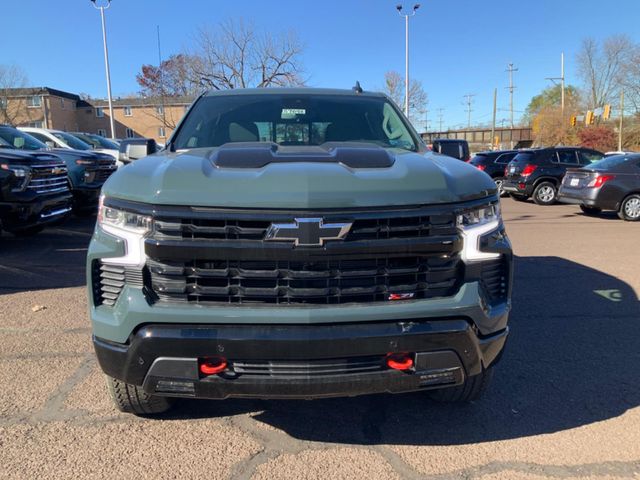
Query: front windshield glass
{"points": [[20, 140], [289, 119], [72, 141]]}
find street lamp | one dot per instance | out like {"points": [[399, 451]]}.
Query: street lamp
{"points": [[406, 53], [102, 8]]}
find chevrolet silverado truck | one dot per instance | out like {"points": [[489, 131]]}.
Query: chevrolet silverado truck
{"points": [[34, 191], [86, 170], [297, 243]]}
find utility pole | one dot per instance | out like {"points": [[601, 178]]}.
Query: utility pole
{"points": [[511, 69], [106, 63], [621, 117], [440, 117], [406, 53], [493, 123], [426, 120], [469, 100]]}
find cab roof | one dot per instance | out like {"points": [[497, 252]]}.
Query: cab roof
{"points": [[292, 91]]}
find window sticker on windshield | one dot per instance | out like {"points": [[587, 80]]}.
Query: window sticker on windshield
{"points": [[292, 112]]}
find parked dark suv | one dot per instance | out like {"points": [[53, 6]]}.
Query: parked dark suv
{"points": [[538, 173], [493, 164], [452, 147]]}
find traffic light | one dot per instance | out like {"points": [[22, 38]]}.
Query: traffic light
{"points": [[574, 120], [606, 113], [589, 118]]}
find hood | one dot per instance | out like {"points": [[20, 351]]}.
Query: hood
{"points": [[193, 178], [25, 157]]}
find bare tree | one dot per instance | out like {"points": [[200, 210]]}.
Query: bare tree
{"points": [[11, 77], [237, 55], [603, 68], [394, 88]]}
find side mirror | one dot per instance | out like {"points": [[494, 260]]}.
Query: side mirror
{"points": [[135, 148]]}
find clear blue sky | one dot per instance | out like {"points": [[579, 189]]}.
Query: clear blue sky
{"points": [[458, 46]]}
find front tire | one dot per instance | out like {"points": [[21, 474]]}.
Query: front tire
{"points": [[133, 399], [472, 389], [630, 208], [590, 210], [545, 194]]}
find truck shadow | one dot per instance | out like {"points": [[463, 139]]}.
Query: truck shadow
{"points": [[55, 258], [570, 361]]}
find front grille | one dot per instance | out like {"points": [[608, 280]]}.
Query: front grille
{"points": [[105, 168], [302, 282], [384, 226], [494, 279], [309, 368], [48, 177], [109, 280]]}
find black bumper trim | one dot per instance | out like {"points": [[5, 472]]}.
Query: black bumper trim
{"points": [[185, 343]]}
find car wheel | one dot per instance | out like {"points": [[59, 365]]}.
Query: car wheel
{"points": [[472, 389], [630, 208], [133, 399], [518, 198], [545, 194], [590, 210], [498, 181], [27, 232]]}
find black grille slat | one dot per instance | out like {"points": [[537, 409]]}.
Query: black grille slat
{"points": [[109, 280], [43, 179], [285, 282], [293, 368], [494, 279]]}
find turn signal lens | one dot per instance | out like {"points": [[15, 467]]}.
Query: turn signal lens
{"points": [[600, 180]]}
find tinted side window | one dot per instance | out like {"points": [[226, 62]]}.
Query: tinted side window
{"points": [[40, 137], [567, 157], [505, 158], [587, 157]]}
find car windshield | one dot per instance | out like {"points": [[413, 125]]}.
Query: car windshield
{"points": [[97, 141], [72, 141], [451, 149], [290, 119], [20, 140], [608, 162]]}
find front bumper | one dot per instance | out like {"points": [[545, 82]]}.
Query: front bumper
{"points": [[86, 197], [300, 361], [44, 210]]}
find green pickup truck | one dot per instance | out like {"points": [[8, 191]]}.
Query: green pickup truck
{"points": [[297, 243]]}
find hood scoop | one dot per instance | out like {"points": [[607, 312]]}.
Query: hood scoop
{"points": [[260, 154]]}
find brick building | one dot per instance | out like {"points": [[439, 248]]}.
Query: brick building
{"points": [[45, 107]]}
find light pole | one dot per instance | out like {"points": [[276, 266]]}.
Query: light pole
{"points": [[102, 8], [406, 53]]}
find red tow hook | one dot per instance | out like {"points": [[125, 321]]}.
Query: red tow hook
{"points": [[213, 366], [399, 361]]}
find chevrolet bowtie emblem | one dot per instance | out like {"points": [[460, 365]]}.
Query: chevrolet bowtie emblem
{"points": [[307, 232]]}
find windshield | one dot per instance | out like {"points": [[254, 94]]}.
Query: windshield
{"points": [[97, 141], [289, 119], [17, 139], [72, 141]]}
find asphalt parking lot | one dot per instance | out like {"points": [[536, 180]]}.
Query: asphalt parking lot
{"points": [[565, 402]]}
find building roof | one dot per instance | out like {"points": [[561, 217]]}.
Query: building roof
{"points": [[30, 91], [139, 101]]}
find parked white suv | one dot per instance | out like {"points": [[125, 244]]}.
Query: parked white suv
{"points": [[60, 139]]}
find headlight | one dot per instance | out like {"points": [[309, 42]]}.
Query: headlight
{"points": [[131, 227], [123, 220], [474, 224], [22, 176]]}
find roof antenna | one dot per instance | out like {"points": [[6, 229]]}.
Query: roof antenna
{"points": [[357, 88]]}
